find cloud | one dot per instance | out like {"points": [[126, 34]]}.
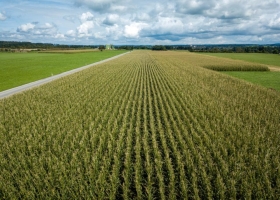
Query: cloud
{"points": [[169, 25], [168, 28], [2, 16], [71, 18], [142, 17], [86, 17], [26, 27], [193, 7], [47, 26], [85, 28], [102, 5], [37, 30], [111, 19], [71, 33], [145, 21], [114, 32], [274, 23], [133, 30], [59, 36], [87, 24], [225, 9]]}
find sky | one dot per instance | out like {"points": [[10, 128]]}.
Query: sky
{"points": [[140, 22]]}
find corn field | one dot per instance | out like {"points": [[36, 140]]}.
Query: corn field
{"points": [[148, 125]]}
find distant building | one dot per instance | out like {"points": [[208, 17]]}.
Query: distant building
{"points": [[109, 46]]}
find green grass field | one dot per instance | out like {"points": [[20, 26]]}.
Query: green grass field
{"points": [[20, 68], [266, 79], [148, 125], [267, 59]]}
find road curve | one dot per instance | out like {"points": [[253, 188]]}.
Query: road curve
{"points": [[12, 91]]}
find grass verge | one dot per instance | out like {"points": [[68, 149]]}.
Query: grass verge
{"points": [[266, 79]]}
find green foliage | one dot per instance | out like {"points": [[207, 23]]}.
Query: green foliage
{"points": [[101, 47], [21, 68], [126, 47], [237, 48], [158, 48], [237, 68], [29, 45], [148, 125]]}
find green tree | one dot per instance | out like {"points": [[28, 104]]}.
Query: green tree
{"points": [[101, 47], [159, 48]]}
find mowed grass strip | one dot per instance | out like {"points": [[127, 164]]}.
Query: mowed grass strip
{"points": [[147, 125], [266, 79], [20, 68], [262, 58]]}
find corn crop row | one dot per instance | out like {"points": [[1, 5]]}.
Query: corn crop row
{"points": [[149, 125]]}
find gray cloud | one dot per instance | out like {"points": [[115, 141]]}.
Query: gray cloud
{"points": [[102, 6], [194, 7], [227, 10], [111, 19], [274, 23]]}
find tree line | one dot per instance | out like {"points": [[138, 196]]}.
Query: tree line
{"points": [[274, 49], [11, 45], [223, 48]]}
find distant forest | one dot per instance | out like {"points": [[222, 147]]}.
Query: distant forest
{"points": [[12, 46], [228, 48]]}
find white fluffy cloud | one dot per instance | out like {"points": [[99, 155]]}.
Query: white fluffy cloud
{"points": [[35, 30], [87, 25], [71, 33], [2, 16], [59, 36], [86, 17], [38, 29], [132, 30], [26, 27], [85, 28], [139, 22]]}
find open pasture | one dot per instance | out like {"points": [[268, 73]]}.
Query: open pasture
{"points": [[21, 68], [148, 125]]}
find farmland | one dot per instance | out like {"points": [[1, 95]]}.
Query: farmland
{"points": [[21, 68], [267, 59], [149, 125], [268, 79]]}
